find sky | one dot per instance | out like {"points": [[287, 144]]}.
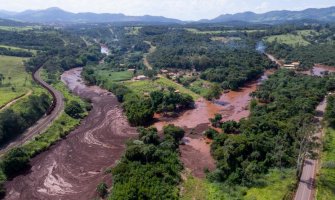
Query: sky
{"points": [[179, 9]]}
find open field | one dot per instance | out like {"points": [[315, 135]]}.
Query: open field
{"points": [[200, 87], [196, 31], [133, 30], [141, 87], [110, 76], [326, 176], [292, 39], [276, 185], [17, 81], [18, 28], [18, 48], [197, 189], [224, 39]]}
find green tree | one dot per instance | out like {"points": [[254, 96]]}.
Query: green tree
{"points": [[102, 189], [176, 132], [15, 161], [74, 109], [216, 121]]}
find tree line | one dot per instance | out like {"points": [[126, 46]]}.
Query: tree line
{"points": [[271, 137]]}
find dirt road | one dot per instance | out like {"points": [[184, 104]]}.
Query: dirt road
{"points": [[73, 167], [44, 122], [145, 56], [7, 105]]}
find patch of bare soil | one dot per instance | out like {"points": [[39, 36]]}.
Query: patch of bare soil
{"points": [[195, 153]]}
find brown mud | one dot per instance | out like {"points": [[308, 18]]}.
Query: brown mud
{"points": [[73, 167], [233, 105]]}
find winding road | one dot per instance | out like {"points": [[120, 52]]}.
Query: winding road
{"points": [[54, 111]]}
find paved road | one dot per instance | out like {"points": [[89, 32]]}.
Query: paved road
{"points": [[306, 186], [44, 122]]}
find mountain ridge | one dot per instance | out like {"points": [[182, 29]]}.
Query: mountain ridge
{"points": [[57, 15]]}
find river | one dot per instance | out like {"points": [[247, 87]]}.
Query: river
{"points": [[72, 168]]}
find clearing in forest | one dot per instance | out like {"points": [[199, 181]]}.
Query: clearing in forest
{"points": [[15, 81]]}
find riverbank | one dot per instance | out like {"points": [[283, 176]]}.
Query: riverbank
{"points": [[73, 167]]}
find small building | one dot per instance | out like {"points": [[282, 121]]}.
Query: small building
{"points": [[164, 71], [131, 70], [296, 64], [177, 91], [289, 65], [141, 77]]}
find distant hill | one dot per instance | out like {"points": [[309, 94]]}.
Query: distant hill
{"points": [[7, 22], [322, 14], [57, 15]]}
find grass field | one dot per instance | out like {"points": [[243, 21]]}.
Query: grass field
{"points": [[17, 81], [110, 76], [18, 48], [225, 39], [276, 185], [141, 87], [133, 30], [18, 28], [196, 31], [291, 39], [198, 189], [200, 87], [326, 176]]}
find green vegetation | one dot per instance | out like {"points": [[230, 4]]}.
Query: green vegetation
{"points": [[15, 82], [135, 30], [102, 190], [289, 39], [326, 175], [196, 31], [275, 185], [198, 189], [110, 76], [272, 135], [18, 28], [316, 45], [19, 157], [150, 168], [140, 110], [147, 86], [14, 123]]}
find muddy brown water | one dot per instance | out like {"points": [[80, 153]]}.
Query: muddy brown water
{"points": [[73, 167], [195, 154]]}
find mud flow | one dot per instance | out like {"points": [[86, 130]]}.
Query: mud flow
{"points": [[234, 105], [73, 167]]}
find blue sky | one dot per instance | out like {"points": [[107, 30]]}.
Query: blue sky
{"points": [[181, 9]]}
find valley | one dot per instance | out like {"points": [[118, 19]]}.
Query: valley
{"points": [[117, 107]]}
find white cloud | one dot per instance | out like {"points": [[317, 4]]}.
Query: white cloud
{"points": [[182, 9]]}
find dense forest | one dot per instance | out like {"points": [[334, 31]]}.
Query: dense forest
{"points": [[272, 136], [15, 52], [150, 167]]}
